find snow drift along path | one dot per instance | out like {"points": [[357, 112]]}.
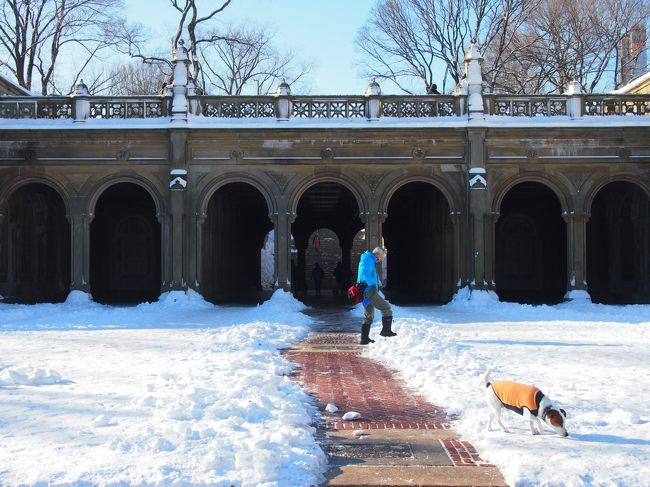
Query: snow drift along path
{"points": [[591, 360], [174, 391]]}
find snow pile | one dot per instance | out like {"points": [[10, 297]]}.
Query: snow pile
{"points": [[173, 392], [589, 359], [28, 376]]}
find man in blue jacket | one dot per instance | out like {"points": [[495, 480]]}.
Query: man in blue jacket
{"points": [[368, 283]]}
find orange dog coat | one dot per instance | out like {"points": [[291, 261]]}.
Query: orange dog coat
{"points": [[516, 396]]}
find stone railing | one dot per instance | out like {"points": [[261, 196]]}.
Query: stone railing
{"points": [[373, 107], [526, 106], [616, 105], [83, 107]]}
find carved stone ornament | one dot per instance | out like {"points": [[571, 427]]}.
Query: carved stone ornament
{"points": [[624, 153], [372, 180], [577, 179], [30, 155], [280, 179], [531, 154], [327, 154], [236, 154], [123, 154], [418, 153]]}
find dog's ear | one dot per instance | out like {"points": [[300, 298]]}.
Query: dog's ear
{"points": [[563, 412]]}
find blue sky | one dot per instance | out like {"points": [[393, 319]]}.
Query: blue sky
{"points": [[318, 31]]}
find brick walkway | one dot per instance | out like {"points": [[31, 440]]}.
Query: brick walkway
{"points": [[417, 440]]}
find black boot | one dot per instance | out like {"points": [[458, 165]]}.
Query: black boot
{"points": [[386, 322], [365, 331]]}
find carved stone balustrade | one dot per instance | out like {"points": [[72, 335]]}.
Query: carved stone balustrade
{"points": [[526, 106]]}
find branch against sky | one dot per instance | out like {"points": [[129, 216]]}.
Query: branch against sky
{"points": [[36, 34], [425, 40], [249, 64]]}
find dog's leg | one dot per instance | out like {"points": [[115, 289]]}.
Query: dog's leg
{"points": [[490, 418], [531, 420], [498, 415]]}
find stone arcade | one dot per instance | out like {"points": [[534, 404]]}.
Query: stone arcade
{"points": [[538, 198]]}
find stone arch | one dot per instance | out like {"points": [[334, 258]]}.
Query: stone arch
{"points": [[441, 185], [421, 244], [102, 185], [313, 204], [612, 178], [235, 220], [530, 244], [18, 182], [215, 184], [125, 242], [553, 184], [618, 241], [34, 242], [348, 183]]}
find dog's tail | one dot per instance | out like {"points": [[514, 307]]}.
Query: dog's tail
{"points": [[486, 377]]}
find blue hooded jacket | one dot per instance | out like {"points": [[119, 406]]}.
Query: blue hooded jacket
{"points": [[367, 272]]}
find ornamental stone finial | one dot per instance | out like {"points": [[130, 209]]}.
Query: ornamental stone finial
{"points": [[283, 89], [373, 89], [80, 89], [473, 78]]}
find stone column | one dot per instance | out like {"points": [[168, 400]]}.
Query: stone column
{"points": [[576, 256], [178, 187], [79, 245], [459, 278], [165, 251], [373, 221], [478, 209], [282, 222], [196, 253]]}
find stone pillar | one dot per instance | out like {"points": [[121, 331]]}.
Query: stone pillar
{"points": [[574, 103], [576, 256], [178, 183], [283, 101], [459, 278], [373, 102], [474, 82], [81, 103], [478, 209], [165, 251], [195, 270], [79, 245], [282, 222], [373, 221], [180, 63]]}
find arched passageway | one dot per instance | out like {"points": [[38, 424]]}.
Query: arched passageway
{"points": [[419, 236], [234, 231], [125, 246], [34, 246], [328, 218], [618, 245], [530, 237]]}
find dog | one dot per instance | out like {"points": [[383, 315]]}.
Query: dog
{"points": [[526, 400]]}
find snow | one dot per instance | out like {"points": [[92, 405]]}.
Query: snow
{"points": [[173, 392], [182, 392], [590, 359]]}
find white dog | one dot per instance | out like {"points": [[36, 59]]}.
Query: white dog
{"points": [[523, 399]]}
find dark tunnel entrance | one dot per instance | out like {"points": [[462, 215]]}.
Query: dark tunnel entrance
{"points": [[234, 232], [125, 247], [419, 237], [324, 206], [34, 247], [530, 237], [618, 245]]}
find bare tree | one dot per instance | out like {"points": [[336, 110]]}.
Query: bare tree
{"points": [[248, 64], [131, 79], [405, 40], [35, 34]]}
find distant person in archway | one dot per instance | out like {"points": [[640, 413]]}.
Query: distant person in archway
{"points": [[317, 275], [369, 284], [339, 276]]}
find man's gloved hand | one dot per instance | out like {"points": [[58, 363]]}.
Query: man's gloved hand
{"points": [[360, 286]]}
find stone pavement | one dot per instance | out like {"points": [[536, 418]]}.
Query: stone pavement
{"points": [[406, 440]]}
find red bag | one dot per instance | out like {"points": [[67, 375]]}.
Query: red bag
{"points": [[354, 294]]}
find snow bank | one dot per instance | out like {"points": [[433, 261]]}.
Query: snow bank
{"points": [[589, 359], [173, 392]]}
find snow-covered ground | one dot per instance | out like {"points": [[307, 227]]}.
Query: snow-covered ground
{"points": [[591, 360], [175, 392], [184, 392]]}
